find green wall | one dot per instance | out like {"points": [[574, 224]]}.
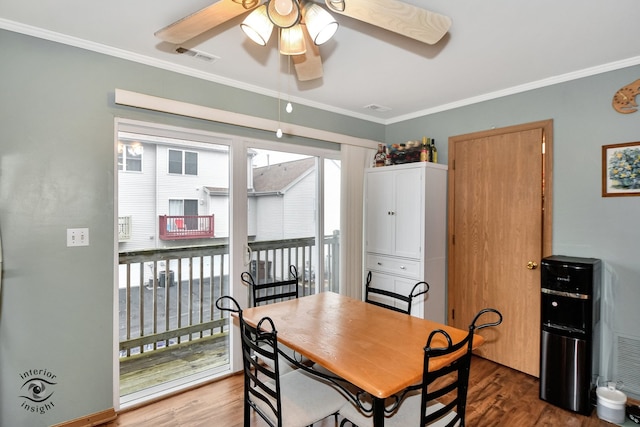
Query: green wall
{"points": [[584, 223], [56, 172]]}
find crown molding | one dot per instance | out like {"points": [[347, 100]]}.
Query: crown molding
{"points": [[169, 66], [587, 72]]}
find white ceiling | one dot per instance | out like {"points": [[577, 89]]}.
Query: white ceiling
{"points": [[494, 47]]}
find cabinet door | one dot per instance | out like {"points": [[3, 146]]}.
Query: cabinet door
{"points": [[409, 212], [379, 212], [394, 212]]}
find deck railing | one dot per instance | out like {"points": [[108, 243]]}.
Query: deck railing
{"points": [[180, 227], [124, 228], [167, 296]]}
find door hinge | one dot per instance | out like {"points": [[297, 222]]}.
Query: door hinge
{"points": [[453, 314], [453, 239]]}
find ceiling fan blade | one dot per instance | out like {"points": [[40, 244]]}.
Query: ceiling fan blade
{"points": [[308, 65], [393, 15], [205, 19]]}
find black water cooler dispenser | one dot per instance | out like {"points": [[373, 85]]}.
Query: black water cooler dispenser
{"points": [[570, 337]]}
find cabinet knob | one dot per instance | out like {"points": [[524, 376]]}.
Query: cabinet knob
{"points": [[532, 265]]}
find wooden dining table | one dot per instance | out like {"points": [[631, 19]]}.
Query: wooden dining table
{"points": [[376, 349]]}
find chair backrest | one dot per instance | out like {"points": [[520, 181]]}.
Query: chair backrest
{"points": [[393, 300], [261, 380], [439, 383], [267, 293]]}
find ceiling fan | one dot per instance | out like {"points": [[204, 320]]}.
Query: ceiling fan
{"points": [[304, 25]]}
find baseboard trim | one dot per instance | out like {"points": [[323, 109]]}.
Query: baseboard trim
{"points": [[91, 420]]}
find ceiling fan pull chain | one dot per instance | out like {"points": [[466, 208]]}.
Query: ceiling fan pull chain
{"points": [[289, 107], [279, 130]]}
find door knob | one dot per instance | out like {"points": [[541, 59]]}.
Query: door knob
{"points": [[532, 265]]}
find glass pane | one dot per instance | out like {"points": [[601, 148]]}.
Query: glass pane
{"points": [[175, 161], [283, 219], [191, 214], [133, 154], [134, 164], [190, 163], [130, 155], [173, 265], [332, 197], [176, 207], [120, 156]]}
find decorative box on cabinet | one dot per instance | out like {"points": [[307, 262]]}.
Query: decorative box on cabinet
{"points": [[405, 232]]}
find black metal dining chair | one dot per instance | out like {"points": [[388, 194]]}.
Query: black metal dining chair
{"points": [[393, 300], [273, 291], [294, 399], [276, 291], [419, 405]]}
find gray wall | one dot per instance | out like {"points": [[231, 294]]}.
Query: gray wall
{"points": [[584, 223], [57, 172]]}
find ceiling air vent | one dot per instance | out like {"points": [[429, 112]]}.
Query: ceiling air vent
{"points": [[207, 57], [376, 107]]}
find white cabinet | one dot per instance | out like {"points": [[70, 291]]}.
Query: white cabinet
{"points": [[394, 205], [405, 232]]}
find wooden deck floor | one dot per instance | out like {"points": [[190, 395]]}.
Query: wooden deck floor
{"points": [[151, 369]]}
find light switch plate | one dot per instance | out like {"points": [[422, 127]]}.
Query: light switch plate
{"points": [[77, 237]]}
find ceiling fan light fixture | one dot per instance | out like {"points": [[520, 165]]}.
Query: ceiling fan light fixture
{"points": [[292, 41], [283, 21], [257, 26], [320, 24]]}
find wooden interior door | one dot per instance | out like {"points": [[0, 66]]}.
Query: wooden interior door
{"points": [[499, 223]]}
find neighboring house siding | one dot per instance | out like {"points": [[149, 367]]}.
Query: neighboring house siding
{"points": [[291, 214], [252, 223], [299, 210], [219, 207], [285, 208], [269, 217], [186, 187], [332, 196], [145, 195], [136, 199]]}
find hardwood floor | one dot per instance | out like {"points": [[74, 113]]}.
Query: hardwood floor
{"points": [[498, 396]]}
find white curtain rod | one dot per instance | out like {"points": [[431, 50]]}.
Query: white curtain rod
{"points": [[149, 102]]}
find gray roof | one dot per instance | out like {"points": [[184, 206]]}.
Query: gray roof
{"points": [[278, 177]]}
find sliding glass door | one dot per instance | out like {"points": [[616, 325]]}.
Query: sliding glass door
{"points": [[173, 258], [289, 222], [195, 209]]}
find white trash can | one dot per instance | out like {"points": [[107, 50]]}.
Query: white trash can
{"points": [[611, 404]]}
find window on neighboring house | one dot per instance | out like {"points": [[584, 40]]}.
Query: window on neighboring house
{"points": [[183, 162], [130, 156]]}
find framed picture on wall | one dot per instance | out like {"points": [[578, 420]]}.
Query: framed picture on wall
{"points": [[621, 169]]}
